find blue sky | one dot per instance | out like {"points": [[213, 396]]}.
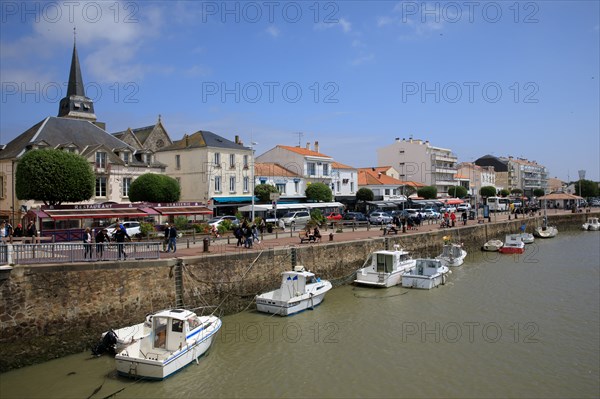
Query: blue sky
{"points": [[502, 78]]}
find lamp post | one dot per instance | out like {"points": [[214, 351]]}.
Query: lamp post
{"points": [[581, 177], [252, 144]]}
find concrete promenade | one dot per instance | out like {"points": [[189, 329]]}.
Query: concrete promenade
{"points": [[186, 247]]}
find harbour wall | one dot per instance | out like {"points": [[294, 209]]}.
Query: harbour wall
{"points": [[49, 311]]}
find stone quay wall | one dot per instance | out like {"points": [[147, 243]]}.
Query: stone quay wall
{"points": [[48, 311]]}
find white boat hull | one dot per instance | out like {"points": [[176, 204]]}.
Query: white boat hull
{"points": [[492, 245], [158, 364], [527, 238], [423, 282], [590, 227], [294, 305], [547, 232], [383, 280], [453, 262]]}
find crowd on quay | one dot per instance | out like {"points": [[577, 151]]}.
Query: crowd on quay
{"points": [[8, 234]]}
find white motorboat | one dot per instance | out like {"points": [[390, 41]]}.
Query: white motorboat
{"points": [[545, 231], [592, 224], [177, 338], [427, 274], [527, 238], [513, 244], [385, 268], [300, 290], [492, 245], [452, 255]]}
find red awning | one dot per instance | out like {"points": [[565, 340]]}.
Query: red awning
{"points": [[150, 211], [94, 213], [183, 210], [452, 201]]}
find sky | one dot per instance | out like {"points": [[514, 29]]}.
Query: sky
{"points": [[499, 77]]}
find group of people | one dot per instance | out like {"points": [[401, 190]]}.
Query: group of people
{"points": [[313, 234], [170, 241], [246, 235], [449, 219], [7, 232], [101, 238]]}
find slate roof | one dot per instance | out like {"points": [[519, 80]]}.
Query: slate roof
{"points": [[141, 133], [56, 131], [203, 138]]}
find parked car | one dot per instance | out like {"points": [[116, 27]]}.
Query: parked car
{"points": [[216, 221], [356, 216], [431, 213], [295, 218], [380, 217], [334, 216], [449, 209], [414, 213], [132, 228], [463, 207]]}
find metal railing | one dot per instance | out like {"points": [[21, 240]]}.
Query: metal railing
{"points": [[78, 252]]}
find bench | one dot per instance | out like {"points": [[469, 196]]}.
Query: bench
{"points": [[308, 238]]}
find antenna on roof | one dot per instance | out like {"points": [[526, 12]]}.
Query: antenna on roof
{"points": [[74, 36], [300, 135]]}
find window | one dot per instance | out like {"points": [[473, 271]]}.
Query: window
{"points": [[232, 161], [101, 160], [177, 162], [101, 186], [352, 187], [311, 168], [126, 185], [246, 184], [217, 184], [325, 169], [126, 156], [297, 187], [280, 187], [246, 161], [384, 263], [217, 159], [232, 184], [338, 187]]}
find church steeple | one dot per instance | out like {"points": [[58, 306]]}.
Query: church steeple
{"points": [[76, 104]]}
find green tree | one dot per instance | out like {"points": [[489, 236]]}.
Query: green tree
{"points": [[263, 192], [54, 176], [487, 191], [318, 192], [457, 191], [588, 188], [538, 192], [152, 187], [504, 193], [427, 192], [364, 194], [516, 191]]}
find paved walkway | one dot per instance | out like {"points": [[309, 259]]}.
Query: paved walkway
{"points": [[186, 247]]}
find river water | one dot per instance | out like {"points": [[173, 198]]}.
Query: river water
{"points": [[503, 326]]}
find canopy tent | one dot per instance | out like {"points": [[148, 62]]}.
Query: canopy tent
{"points": [[95, 213], [560, 196], [451, 201], [183, 210]]}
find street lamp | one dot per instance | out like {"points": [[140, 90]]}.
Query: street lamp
{"points": [[581, 177], [252, 144]]}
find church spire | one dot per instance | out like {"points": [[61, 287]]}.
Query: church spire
{"points": [[76, 104]]}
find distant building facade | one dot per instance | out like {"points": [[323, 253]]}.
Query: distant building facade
{"points": [[419, 161]]}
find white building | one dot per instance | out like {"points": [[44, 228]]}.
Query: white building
{"points": [[419, 161], [344, 183], [290, 185]]}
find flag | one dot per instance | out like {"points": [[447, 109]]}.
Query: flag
{"points": [[295, 278]]}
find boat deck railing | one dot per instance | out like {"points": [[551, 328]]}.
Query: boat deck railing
{"points": [[77, 252]]}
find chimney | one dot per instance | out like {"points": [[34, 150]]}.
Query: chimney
{"points": [[237, 139], [316, 146], [308, 145], [187, 141]]}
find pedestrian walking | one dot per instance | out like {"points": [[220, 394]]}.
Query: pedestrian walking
{"points": [[172, 239], [31, 231], [166, 237], [101, 238], [120, 236], [87, 243]]}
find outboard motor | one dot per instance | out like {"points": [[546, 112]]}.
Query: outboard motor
{"points": [[107, 344]]}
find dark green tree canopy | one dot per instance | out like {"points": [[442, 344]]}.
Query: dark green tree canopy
{"points": [[364, 194], [151, 187], [263, 191], [457, 191], [538, 192], [427, 192], [318, 192], [504, 193], [54, 176], [517, 191], [588, 188], [487, 191]]}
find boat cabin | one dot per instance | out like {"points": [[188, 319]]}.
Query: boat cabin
{"points": [[294, 283], [170, 328], [384, 261], [427, 267]]}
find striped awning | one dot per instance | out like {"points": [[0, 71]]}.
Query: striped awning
{"points": [[94, 213], [183, 210]]}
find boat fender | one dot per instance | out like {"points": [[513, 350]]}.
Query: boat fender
{"points": [[443, 279]]}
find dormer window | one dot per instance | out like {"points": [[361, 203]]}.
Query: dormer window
{"points": [[77, 105], [126, 157], [101, 160]]}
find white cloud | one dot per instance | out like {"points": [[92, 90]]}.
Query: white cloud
{"points": [[273, 31], [363, 59], [342, 23]]}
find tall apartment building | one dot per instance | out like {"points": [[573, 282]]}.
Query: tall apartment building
{"points": [[419, 161], [519, 173]]}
